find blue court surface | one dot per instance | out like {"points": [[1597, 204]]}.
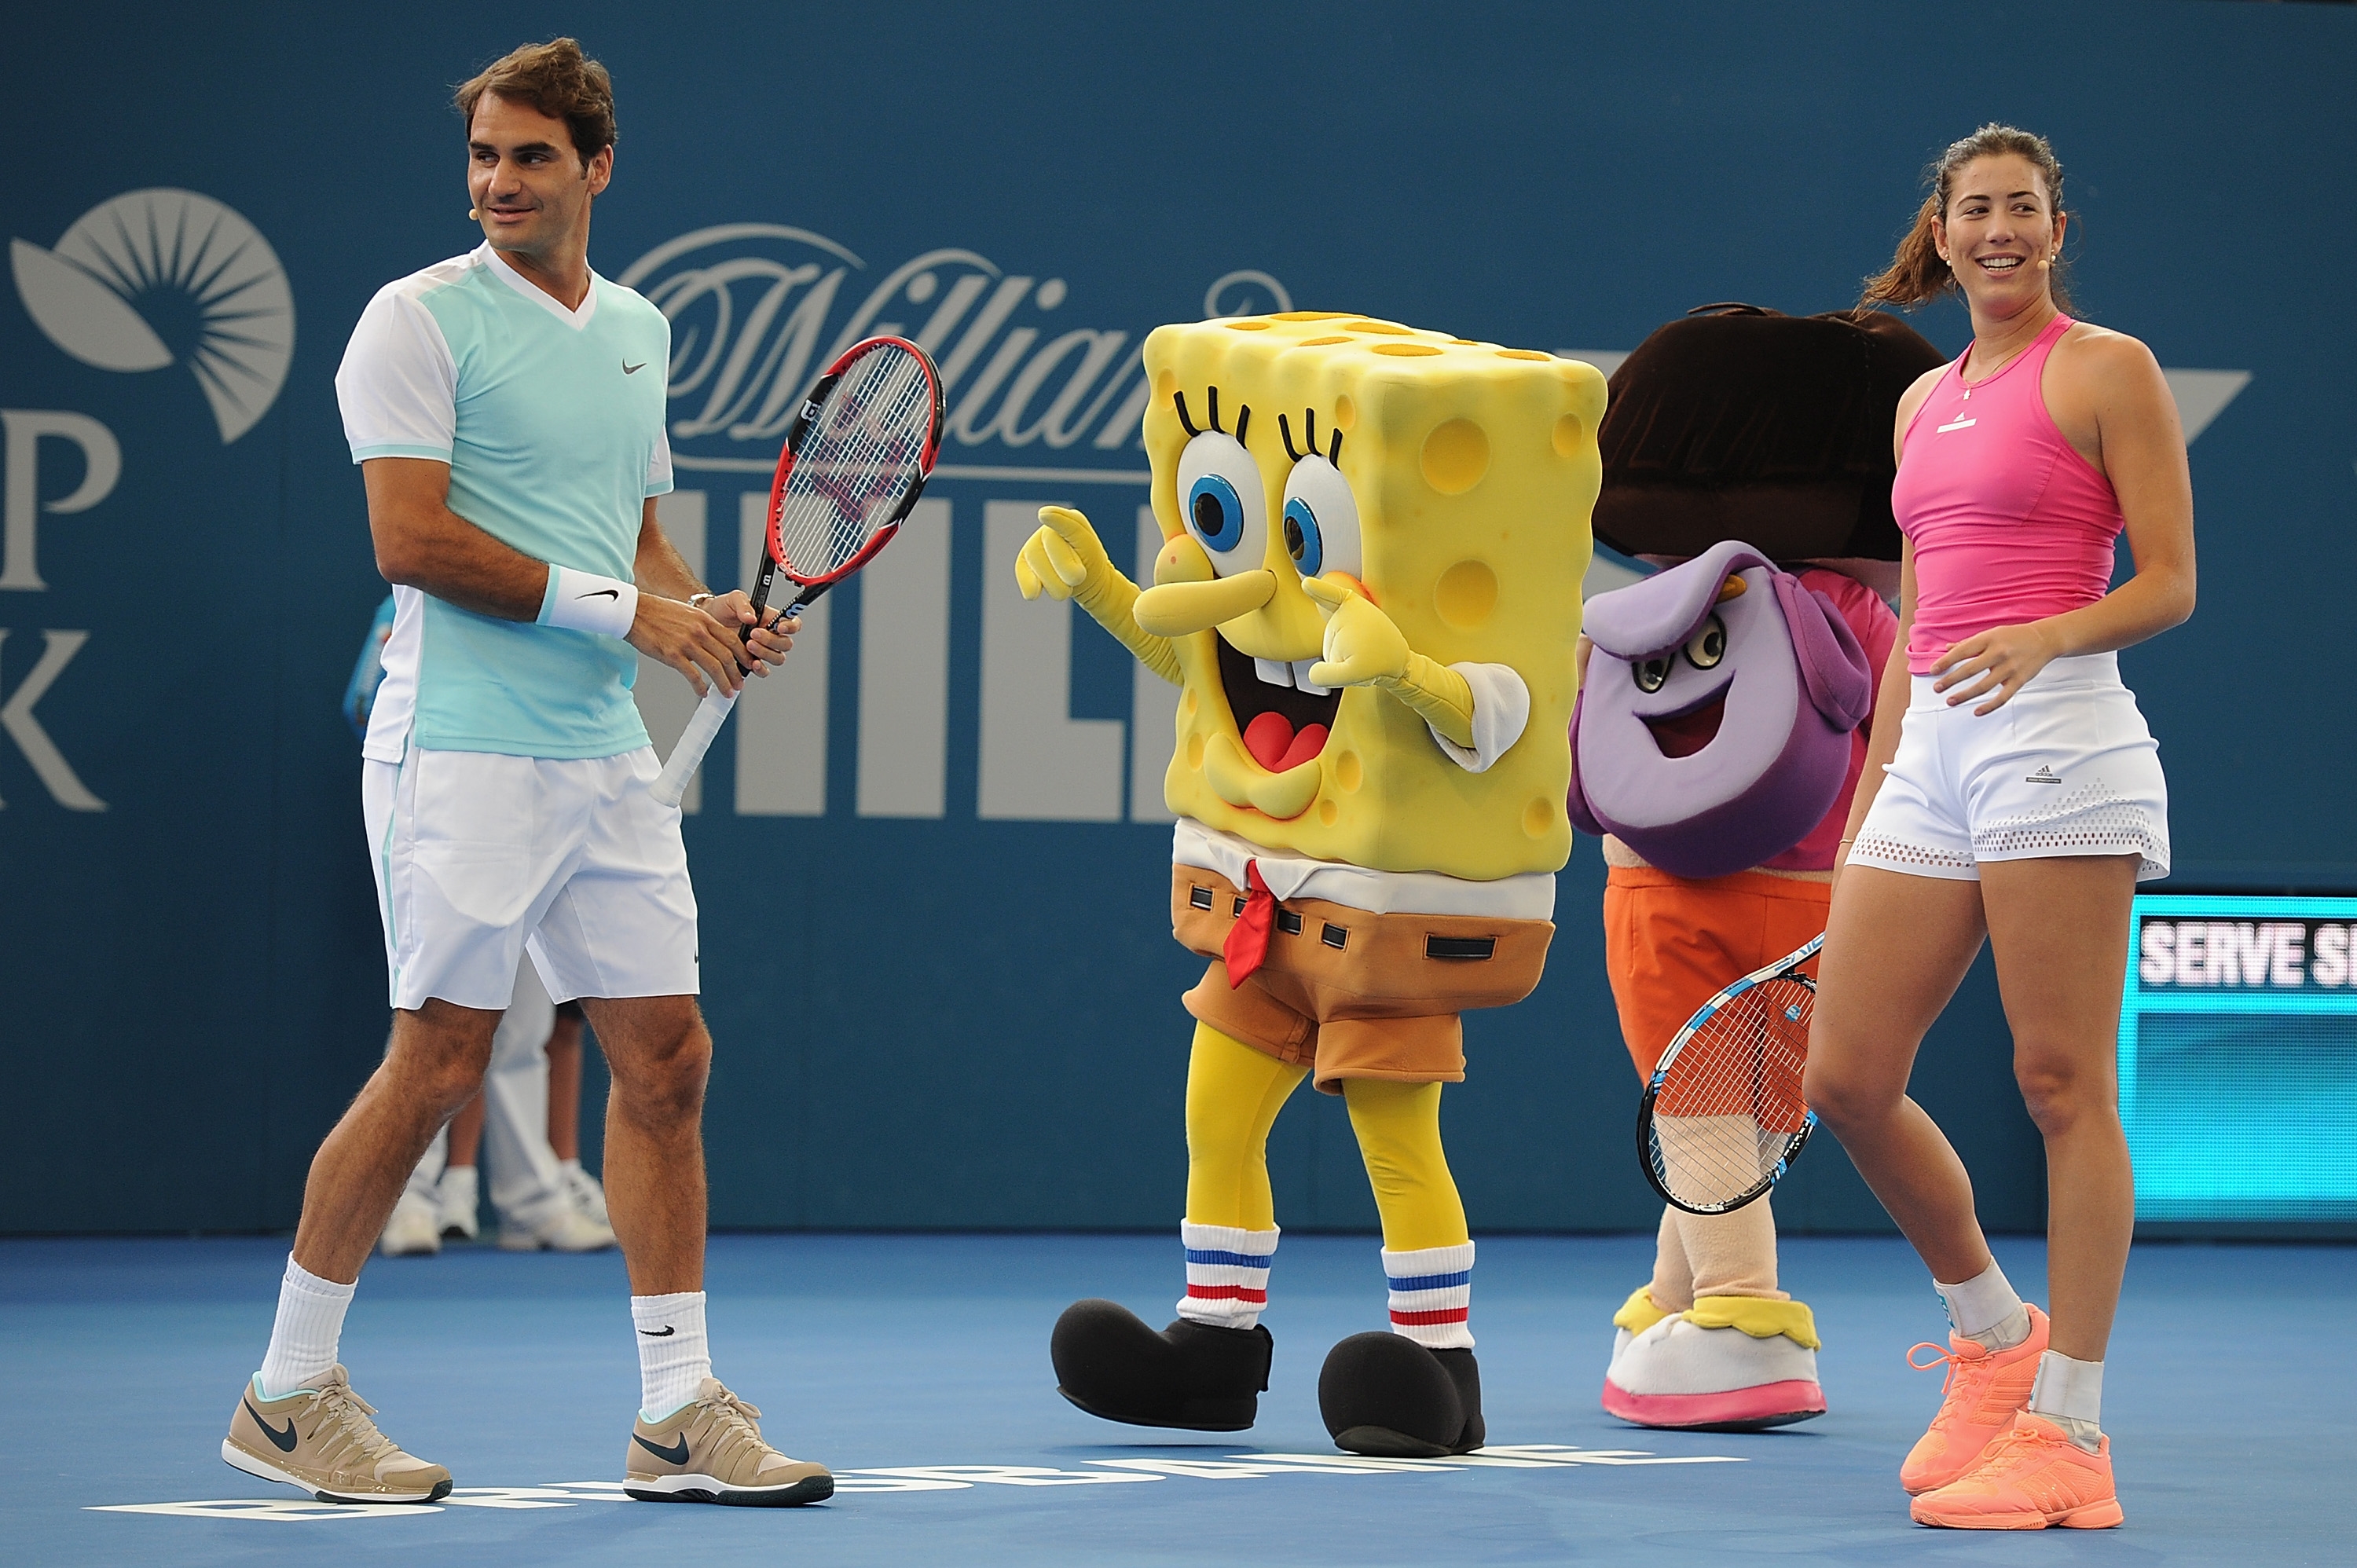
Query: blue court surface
{"points": [[916, 1367]]}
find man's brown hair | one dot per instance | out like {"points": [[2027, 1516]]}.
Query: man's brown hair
{"points": [[560, 81]]}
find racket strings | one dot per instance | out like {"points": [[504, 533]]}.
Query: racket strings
{"points": [[862, 455], [1730, 1108]]}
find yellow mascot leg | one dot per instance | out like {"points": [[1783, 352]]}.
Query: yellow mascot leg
{"points": [[1377, 1392], [1205, 1371], [1234, 1093], [1398, 1126]]}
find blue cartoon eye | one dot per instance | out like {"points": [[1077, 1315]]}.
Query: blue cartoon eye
{"points": [[1302, 540], [1216, 513], [1321, 519], [1224, 502]]}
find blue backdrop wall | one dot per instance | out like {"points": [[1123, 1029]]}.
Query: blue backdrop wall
{"points": [[936, 947]]}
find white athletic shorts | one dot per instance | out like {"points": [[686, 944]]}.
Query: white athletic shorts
{"points": [[481, 858], [2066, 768]]}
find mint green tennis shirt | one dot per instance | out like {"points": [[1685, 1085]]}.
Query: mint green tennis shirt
{"points": [[551, 421]]}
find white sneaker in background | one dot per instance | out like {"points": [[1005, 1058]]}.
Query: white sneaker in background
{"points": [[412, 1231], [456, 1197], [566, 1229], [587, 1194]]}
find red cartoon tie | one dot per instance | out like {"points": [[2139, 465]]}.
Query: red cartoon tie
{"points": [[1247, 944]]}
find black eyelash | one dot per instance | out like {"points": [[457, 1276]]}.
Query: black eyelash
{"points": [[1243, 415], [1309, 437]]}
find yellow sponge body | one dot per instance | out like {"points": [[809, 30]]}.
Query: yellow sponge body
{"points": [[1475, 470]]}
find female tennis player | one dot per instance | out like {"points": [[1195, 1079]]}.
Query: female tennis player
{"points": [[2022, 799]]}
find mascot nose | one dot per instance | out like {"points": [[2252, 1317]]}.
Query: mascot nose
{"points": [[1175, 609]]}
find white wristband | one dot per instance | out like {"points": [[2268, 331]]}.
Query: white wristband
{"points": [[582, 601]]}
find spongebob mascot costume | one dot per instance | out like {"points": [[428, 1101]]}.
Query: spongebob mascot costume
{"points": [[1369, 595]]}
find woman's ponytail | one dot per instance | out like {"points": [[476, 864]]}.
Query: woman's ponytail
{"points": [[1916, 275]]}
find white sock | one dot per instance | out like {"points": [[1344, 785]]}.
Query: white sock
{"points": [[1227, 1274], [303, 1339], [2070, 1394], [1432, 1295], [674, 1356], [1987, 1308]]}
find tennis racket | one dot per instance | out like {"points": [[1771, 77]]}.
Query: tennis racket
{"points": [[1722, 1118], [856, 456]]}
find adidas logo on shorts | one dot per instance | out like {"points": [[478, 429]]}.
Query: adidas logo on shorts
{"points": [[2045, 774]]}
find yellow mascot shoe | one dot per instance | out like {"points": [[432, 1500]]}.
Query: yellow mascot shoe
{"points": [[1731, 1364], [1637, 1314], [1984, 1391], [2031, 1475], [1757, 1316]]}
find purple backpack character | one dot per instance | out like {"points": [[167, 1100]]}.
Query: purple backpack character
{"points": [[1712, 731]]}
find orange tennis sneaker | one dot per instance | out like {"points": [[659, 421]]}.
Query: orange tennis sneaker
{"points": [[2032, 1476], [1984, 1388]]}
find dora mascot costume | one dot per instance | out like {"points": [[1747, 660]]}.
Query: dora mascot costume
{"points": [[1749, 453]]}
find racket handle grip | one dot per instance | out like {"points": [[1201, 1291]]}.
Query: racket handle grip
{"points": [[688, 754]]}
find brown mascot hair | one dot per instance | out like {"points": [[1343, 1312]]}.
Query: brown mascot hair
{"points": [[1739, 422]]}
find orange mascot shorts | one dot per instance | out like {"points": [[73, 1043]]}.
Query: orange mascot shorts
{"points": [[1670, 944]]}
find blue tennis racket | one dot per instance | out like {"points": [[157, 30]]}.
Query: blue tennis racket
{"points": [[1723, 1118]]}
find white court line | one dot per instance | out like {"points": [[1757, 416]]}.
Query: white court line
{"points": [[947, 1479]]}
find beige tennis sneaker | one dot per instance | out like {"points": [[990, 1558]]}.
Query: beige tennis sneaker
{"points": [[710, 1451], [321, 1440]]}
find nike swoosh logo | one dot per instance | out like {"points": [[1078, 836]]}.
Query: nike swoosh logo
{"points": [[663, 1333], [631, 370], [284, 1441], [675, 1455], [615, 594]]}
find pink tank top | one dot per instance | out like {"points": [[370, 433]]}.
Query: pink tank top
{"points": [[2009, 522]]}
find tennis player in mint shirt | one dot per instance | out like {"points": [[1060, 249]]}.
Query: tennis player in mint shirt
{"points": [[506, 407]]}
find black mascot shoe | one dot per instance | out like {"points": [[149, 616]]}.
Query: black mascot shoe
{"points": [[1385, 1394], [1111, 1364]]}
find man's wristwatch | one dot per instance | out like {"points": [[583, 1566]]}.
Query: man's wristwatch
{"points": [[697, 601]]}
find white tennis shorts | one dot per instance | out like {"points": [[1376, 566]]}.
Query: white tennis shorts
{"points": [[481, 858], [2065, 767]]}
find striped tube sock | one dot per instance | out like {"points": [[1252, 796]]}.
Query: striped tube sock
{"points": [[1227, 1274], [1432, 1295]]}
